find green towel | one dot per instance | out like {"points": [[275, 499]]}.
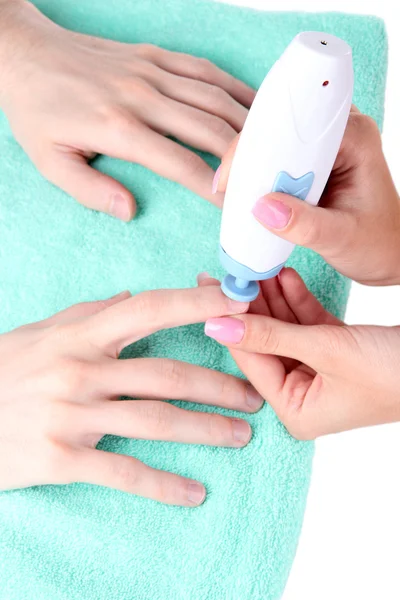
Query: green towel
{"points": [[82, 542]]}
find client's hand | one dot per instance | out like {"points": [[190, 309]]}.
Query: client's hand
{"points": [[70, 96], [332, 377], [356, 226], [60, 381]]}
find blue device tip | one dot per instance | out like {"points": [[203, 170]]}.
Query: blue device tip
{"points": [[239, 289]]}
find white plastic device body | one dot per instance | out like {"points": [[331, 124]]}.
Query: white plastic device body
{"points": [[294, 129]]}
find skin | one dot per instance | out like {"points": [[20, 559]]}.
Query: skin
{"points": [[126, 109], [318, 374], [60, 382], [356, 225]]}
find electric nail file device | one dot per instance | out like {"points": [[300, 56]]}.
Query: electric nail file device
{"points": [[288, 144]]}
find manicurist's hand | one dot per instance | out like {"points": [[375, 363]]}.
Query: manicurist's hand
{"points": [[319, 375], [60, 381], [69, 97], [357, 223]]}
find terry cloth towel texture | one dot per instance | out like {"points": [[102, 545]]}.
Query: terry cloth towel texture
{"points": [[82, 542]]}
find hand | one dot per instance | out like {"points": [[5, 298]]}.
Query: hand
{"points": [[60, 381], [69, 97], [356, 225], [332, 378]]}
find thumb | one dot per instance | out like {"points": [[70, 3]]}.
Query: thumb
{"points": [[71, 172], [314, 345], [301, 223]]}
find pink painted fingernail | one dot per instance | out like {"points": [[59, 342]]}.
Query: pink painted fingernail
{"points": [[203, 276], [225, 329], [196, 493], [120, 208], [271, 213], [216, 180]]}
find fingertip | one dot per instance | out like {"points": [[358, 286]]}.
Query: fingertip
{"points": [[254, 400], [196, 493], [288, 275], [119, 297], [123, 206], [201, 277], [242, 432], [215, 181]]}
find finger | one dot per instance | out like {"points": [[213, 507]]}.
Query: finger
{"points": [[258, 306], [264, 335], [279, 307], [204, 280], [302, 302], [201, 69], [306, 225], [285, 393], [204, 96], [79, 311], [155, 420], [194, 127], [221, 176], [70, 171], [267, 374], [137, 143], [128, 474], [149, 312], [170, 379]]}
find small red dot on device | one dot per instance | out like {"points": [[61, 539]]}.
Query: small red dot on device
{"points": [[325, 83]]}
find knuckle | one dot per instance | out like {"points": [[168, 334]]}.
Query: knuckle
{"points": [[266, 340], [148, 305], [117, 118], [56, 462], [231, 388], [159, 414], [217, 429], [173, 374], [335, 340], [162, 490], [147, 51], [217, 95], [192, 164], [128, 476], [204, 68], [71, 376], [143, 90], [217, 126], [310, 236]]}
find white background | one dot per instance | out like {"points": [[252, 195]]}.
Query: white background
{"points": [[350, 544]]}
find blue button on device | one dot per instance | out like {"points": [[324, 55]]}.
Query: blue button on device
{"points": [[241, 283], [295, 187]]}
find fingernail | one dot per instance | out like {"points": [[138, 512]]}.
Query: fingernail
{"points": [[120, 208], [241, 431], [217, 175], [225, 329], [253, 399], [203, 276], [121, 295], [238, 307], [196, 493], [272, 213]]}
